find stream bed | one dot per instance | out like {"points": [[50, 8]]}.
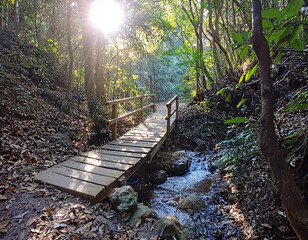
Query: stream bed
{"points": [[209, 222]]}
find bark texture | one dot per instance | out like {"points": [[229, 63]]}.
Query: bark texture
{"points": [[293, 203]]}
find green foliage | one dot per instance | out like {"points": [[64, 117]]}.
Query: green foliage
{"points": [[270, 182], [241, 102], [236, 120], [280, 27], [299, 102], [99, 116], [221, 91], [243, 145], [251, 72]]}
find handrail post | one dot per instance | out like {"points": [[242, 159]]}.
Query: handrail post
{"points": [[168, 119], [152, 92], [142, 111], [177, 107], [153, 101], [114, 126]]}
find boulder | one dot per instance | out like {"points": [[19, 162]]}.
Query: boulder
{"points": [[192, 202], [178, 167], [60, 139], [27, 170], [169, 227], [172, 156], [155, 165], [158, 178], [124, 199], [142, 212], [177, 163]]}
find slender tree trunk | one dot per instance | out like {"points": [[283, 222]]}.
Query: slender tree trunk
{"points": [[197, 23], [88, 43], [116, 77], [1, 15], [37, 37], [293, 203], [70, 51], [99, 72], [215, 34]]}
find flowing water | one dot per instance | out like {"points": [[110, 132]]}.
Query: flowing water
{"points": [[166, 196], [202, 224]]}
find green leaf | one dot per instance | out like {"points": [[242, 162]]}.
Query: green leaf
{"points": [[228, 98], [267, 23], [236, 120], [221, 91], [289, 34], [291, 9], [244, 51], [270, 13], [297, 44], [237, 37], [277, 59], [203, 4], [241, 102], [241, 78], [251, 72]]}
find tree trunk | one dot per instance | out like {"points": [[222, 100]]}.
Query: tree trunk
{"points": [[88, 43], [293, 203], [116, 77], [197, 23], [215, 35], [99, 71], [70, 51], [13, 17]]}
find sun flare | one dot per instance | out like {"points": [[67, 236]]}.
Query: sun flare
{"points": [[106, 15]]}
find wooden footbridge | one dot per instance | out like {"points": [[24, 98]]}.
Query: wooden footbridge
{"points": [[94, 174]]}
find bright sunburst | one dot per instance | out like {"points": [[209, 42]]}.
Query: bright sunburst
{"points": [[106, 15]]}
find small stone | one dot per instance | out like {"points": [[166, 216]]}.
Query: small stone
{"points": [[192, 202], [155, 165], [169, 227], [60, 139], [232, 198], [27, 170], [124, 199], [159, 177], [142, 212]]}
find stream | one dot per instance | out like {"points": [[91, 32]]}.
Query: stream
{"points": [[207, 223]]}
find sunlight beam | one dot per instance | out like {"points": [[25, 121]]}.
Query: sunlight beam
{"points": [[106, 15]]}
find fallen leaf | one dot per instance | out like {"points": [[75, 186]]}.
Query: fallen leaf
{"points": [[109, 216], [48, 209], [20, 215], [30, 222], [41, 193], [3, 197], [10, 189], [138, 223], [3, 224], [59, 225], [266, 225]]}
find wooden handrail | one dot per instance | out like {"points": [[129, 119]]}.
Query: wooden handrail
{"points": [[170, 114], [122, 100], [112, 121], [115, 118]]}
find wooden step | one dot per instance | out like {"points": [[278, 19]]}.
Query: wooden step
{"points": [[74, 186], [84, 176], [92, 169]]}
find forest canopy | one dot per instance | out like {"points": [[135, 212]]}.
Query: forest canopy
{"points": [[183, 45]]}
